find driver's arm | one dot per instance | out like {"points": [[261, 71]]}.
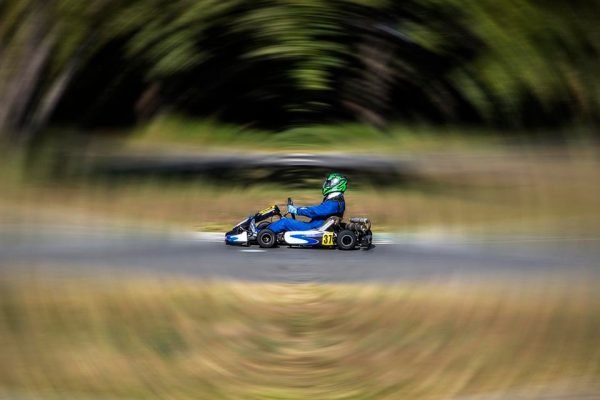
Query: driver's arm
{"points": [[325, 209]]}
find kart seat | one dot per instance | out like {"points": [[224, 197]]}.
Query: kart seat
{"points": [[329, 223]]}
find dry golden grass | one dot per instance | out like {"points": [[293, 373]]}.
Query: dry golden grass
{"points": [[537, 191], [191, 340]]}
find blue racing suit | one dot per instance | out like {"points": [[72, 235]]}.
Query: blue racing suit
{"points": [[318, 214]]}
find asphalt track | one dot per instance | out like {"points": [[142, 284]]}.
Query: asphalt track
{"points": [[400, 257]]}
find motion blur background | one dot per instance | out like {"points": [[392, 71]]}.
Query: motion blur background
{"points": [[455, 120]]}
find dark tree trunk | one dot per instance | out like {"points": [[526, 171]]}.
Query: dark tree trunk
{"points": [[367, 95], [49, 100], [26, 56]]}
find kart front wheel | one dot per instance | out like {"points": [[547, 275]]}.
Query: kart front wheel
{"points": [[266, 238], [263, 225], [346, 240]]}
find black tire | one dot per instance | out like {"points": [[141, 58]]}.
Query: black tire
{"points": [[346, 240], [263, 225], [266, 239]]}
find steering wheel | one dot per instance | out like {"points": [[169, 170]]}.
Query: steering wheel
{"points": [[291, 203]]}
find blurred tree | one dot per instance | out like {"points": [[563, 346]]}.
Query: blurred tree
{"points": [[279, 62], [26, 41], [42, 44], [533, 52]]}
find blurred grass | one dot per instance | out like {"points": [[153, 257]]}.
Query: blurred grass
{"points": [[147, 339], [511, 191], [176, 133], [466, 180]]}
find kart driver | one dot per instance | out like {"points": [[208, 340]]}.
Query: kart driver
{"points": [[333, 204]]}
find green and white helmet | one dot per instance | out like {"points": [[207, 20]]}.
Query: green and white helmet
{"points": [[335, 183]]}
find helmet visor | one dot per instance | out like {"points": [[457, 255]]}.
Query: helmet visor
{"points": [[331, 182]]}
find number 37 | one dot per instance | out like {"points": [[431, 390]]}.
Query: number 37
{"points": [[327, 239]]}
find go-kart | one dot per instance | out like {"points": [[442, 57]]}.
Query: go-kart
{"points": [[331, 234]]}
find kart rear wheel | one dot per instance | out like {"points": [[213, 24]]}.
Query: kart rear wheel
{"points": [[346, 240], [266, 238]]}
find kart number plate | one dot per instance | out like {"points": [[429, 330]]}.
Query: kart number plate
{"points": [[327, 239]]}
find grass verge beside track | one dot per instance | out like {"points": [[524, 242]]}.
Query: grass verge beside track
{"points": [[537, 193], [145, 339]]}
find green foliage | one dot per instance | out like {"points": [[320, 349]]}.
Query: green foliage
{"points": [[166, 34], [295, 30], [492, 61]]}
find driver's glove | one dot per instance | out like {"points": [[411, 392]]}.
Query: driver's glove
{"points": [[292, 209]]}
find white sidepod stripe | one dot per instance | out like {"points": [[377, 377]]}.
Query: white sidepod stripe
{"points": [[289, 239]]}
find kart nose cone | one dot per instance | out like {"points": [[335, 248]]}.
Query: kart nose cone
{"points": [[239, 239]]}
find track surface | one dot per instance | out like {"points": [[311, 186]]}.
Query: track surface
{"points": [[399, 258]]}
